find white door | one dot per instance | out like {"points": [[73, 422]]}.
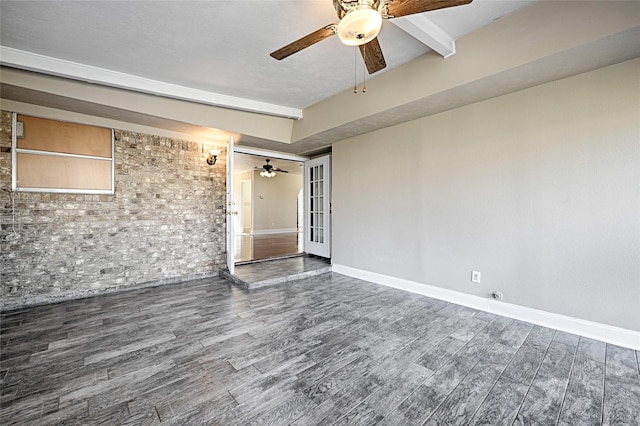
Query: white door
{"points": [[231, 211], [317, 190]]}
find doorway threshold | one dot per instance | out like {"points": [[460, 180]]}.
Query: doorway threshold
{"points": [[269, 272], [269, 259]]}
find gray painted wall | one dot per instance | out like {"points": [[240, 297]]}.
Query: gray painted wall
{"points": [[538, 190]]}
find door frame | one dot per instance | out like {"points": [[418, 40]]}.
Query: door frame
{"points": [[230, 210], [270, 154], [233, 149]]}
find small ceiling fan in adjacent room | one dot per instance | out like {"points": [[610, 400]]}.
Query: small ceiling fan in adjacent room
{"points": [[268, 170], [360, 23]]}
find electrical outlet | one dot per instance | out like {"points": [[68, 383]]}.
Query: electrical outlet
{"points": [[475, 277]]}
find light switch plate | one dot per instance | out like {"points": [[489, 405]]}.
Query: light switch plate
{"points": [[19, 130], [475, 277]]}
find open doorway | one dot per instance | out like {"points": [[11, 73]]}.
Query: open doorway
{"points": [[270, 209]]}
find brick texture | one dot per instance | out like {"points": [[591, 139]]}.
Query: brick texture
{"points": [[165, 223]]}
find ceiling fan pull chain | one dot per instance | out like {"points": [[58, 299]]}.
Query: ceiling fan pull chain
{"points": [[364, 72], [355, 70]]}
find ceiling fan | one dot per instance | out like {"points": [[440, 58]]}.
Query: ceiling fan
{"points": [[360, 23], [268, 170]]}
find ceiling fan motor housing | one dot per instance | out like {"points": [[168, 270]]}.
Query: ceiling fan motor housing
{"points": [[344, 6]]}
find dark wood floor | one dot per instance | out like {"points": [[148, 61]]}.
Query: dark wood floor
{"points": [[325, 350], [265, 246]]}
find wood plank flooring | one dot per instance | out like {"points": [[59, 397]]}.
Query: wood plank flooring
{"points": [[324, 350], [250, 247]]}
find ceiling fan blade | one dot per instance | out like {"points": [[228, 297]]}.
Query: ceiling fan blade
{"points": [[409, 7], [372, 55], [280, 170], [305, 42]]}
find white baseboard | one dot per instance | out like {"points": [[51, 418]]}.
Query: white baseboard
{"points": [[275, 231], [606, 333]]}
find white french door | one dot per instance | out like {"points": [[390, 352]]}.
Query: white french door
{"points": [[317, 192], [231, 210]]}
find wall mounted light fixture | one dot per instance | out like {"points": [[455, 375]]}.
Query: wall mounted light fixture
{"points": [[213, 156]]}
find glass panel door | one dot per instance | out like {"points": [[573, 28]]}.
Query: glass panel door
{"points": [[317, 188]]}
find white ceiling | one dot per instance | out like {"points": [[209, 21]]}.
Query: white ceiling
{"points": [[220, 47], [217, 53]]}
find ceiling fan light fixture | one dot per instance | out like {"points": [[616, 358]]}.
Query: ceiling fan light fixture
{"points": [[267, 174], [360, 26]]}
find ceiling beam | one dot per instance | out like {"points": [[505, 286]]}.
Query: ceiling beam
{"points": [[140, 108], [268, 153], [52, 66], [421, 28]]}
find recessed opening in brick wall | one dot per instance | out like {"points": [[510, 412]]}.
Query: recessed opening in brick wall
{"points": [[57, 156]]}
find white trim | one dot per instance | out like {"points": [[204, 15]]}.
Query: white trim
{"points": [[68, 191], [14, 155], [62, 68], [113, 161], [275, 231], [603, 332], [230, 211], [61, 154], [267, 153]]}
